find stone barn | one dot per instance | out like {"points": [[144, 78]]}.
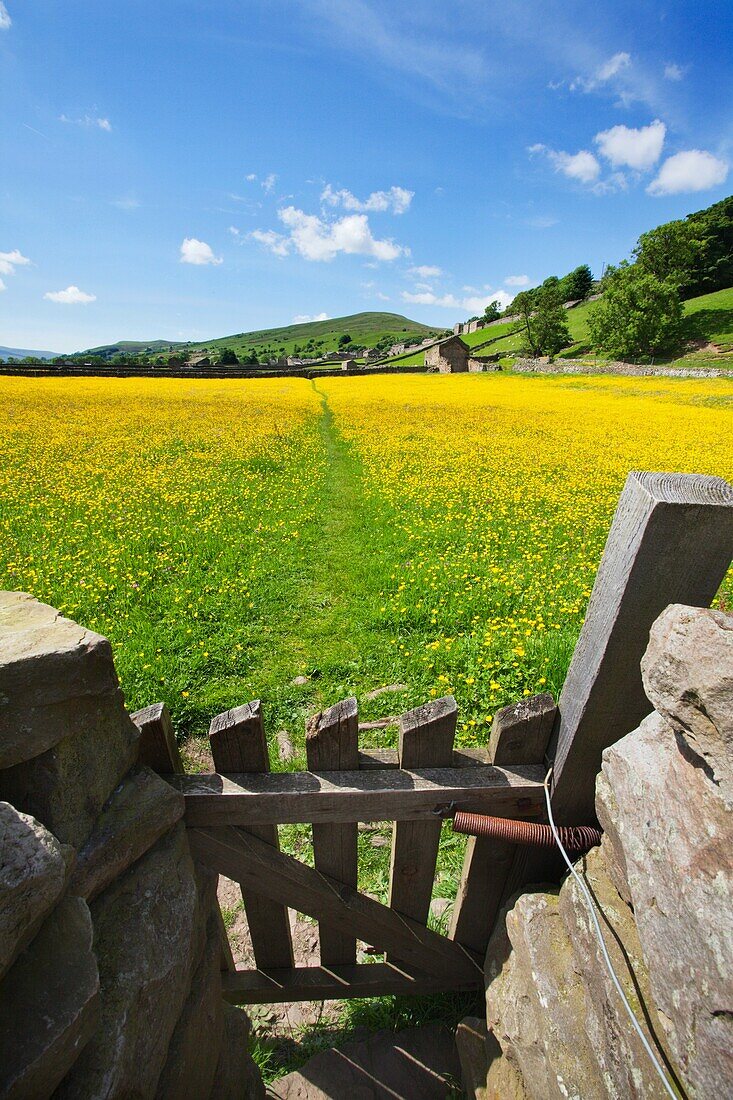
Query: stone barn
{"points": [[448, 356]]}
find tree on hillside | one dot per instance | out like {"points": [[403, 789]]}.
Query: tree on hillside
{"points": [[576, 286], [227, 358], [492, 311], [543, 319], [344, 340], [638, 314], [671, 252]]}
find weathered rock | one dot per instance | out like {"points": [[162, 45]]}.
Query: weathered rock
{"points": [[535, 1000], [623, 1064], [65, 737], [33, 872], [418, 1062], [503, 1078], [140, 811], [688, 675], [613, 853], [49, 1004], [237, 1076], [56, 679], [149, 934], [195, 1046], [674, 826], [472, 1045]]}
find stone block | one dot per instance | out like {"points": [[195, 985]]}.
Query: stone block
{"points": [[472, 1039], [535, 1001], [148, 936], [33, 872], [623, 1064], [51, 672], [195, 1047], [688, 675], [142, 808], [65, 737], [49, 1005], [674, 825], [237, 1076]]}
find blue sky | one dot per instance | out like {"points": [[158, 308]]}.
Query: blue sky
{"points": [[184, 169]]}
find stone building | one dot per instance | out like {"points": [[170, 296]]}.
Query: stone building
{"points": [[448, 356]]}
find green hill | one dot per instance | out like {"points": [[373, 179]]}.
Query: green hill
{"points": [[310, 338]]}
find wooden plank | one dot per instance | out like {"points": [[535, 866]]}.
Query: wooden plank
{"points": [[317, 983], [332, 744], [426, 740], [158, 747], [378, 759], [519, 734], [226, 958], [238, 743], [671, 541], [259, 866], [390, 795]]}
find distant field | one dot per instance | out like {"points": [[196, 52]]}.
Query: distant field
{"points": [[228, 536]]}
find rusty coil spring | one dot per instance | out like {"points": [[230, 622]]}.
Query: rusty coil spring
{"points": [[575, 838]]}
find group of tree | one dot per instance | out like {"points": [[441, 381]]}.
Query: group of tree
{"points": [[641, 310]]}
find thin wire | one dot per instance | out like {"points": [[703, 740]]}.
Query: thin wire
{"points": [[609, 965]]}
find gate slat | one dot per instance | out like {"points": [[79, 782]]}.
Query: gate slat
{"points": [[426, 741], [238, 744], [247, 859], [520, 735], [332, 744]]}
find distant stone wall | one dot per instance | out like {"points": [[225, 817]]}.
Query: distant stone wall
{"points": [[663, 876], [110, 953], [569, 366]]}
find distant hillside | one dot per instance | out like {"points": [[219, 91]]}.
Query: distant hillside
{"points": [[23, 353], [309, 338], [133, 347]]}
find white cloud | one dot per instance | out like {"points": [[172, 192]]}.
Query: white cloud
{"points": [[470, 304], [126, 203], [274, 242], [397, 200], [72, 296], [673, 71], [89, 121], [5, 20], [318, 239], [425, 271], [605, 72], [541, 221], [234, 231], [269, 182], [691, 170], [304, 318], [10, 260], [517, 280], [198, 252], [2, 286], [581, 166], [638, 149], [251, 177]]}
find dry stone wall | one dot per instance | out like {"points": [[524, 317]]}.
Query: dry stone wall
{"points": [[663, 876], [110, 982]]}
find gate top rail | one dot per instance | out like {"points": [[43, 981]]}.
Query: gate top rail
{"points": [[390, 794]]}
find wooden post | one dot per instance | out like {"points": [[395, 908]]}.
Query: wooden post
{"points": [[520, 735], [671, 541], [426, 741], [238, 744], [332, 744], [158, 747]]}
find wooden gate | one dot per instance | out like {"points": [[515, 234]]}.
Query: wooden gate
{"points": [[670, 541]]}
